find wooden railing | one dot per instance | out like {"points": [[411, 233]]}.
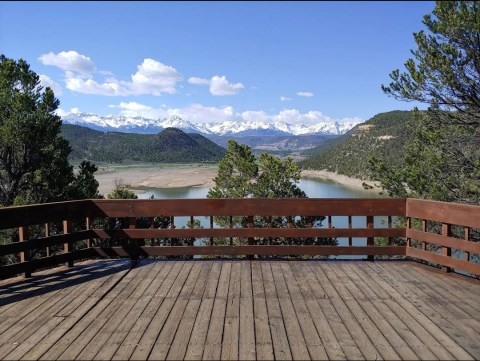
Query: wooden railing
{"points": [[443, 234], [56, 233]]}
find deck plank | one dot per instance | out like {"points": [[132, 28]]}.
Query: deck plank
{"points": [[114, 306], [180, 342], [328, 300], [304, 281], [281, 346], [246, 347], [353, 300], [120, 333], [263, 336], [167, 334], [50, 315], [78, 302], [147, 341], [163, 285], [406, 302], [231, 328], [313, 342], [434, 318], [213, 342], [196, 343], [106, 331], [240, 309]]}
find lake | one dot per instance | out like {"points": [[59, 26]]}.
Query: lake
{"points": [[312, 187]]}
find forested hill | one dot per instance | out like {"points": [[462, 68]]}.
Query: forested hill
{"points": [[383, 136], [169, 146]]}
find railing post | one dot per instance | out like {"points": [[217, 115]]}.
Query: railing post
{"points": [[67, 246], [25, 255], [370, 240], [446, 251]]}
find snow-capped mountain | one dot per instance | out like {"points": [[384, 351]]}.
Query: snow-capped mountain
{"points": [[226, 128]]}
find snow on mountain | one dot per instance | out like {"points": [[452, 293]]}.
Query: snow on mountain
{"points": [[258, 127]]}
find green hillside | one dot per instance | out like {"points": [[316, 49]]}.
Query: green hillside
{"points": [[169, 146], [383, 136]]}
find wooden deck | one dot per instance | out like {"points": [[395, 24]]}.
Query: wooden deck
{"points": [[240, 310]]}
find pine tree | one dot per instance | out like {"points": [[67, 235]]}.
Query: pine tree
{"points": [[443, 161], [34, 165]]}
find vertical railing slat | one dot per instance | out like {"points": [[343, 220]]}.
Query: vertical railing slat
{"points": [[350, 241], [424, 229], [88, 226], [466, 254], [47, 234], [67, 246], [389, 222], [25, 255], [446, 251], [370, 240], [211, 227]]}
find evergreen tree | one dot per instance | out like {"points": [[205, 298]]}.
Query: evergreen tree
{"points": [[443, 161], [239, 176], [33, 156]]}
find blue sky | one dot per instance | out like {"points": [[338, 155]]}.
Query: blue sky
{"points": [[209, 61]]}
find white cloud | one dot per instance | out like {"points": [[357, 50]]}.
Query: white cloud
{"points": [[198, 113], [285, 99], [46, 81], [219, 85], [255, 115], [70, 61], [131, 106], [61, 113], [305, 94], [152, 77], [198, 81], [75, 111], [91, 86]]}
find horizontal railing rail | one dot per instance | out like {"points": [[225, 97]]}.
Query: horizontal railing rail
{"points": [[437, 237], [51, 234]]}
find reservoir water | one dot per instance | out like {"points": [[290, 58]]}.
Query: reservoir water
{"points": [[312, 187]]}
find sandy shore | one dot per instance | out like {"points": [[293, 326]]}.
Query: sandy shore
{"points": [[191, 176], [339, 178]]}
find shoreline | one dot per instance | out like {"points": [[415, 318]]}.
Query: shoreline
{"points": [[139, 179], [337, 178]]}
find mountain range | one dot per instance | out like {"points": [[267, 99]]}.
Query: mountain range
{"points": [[143, 125]]}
